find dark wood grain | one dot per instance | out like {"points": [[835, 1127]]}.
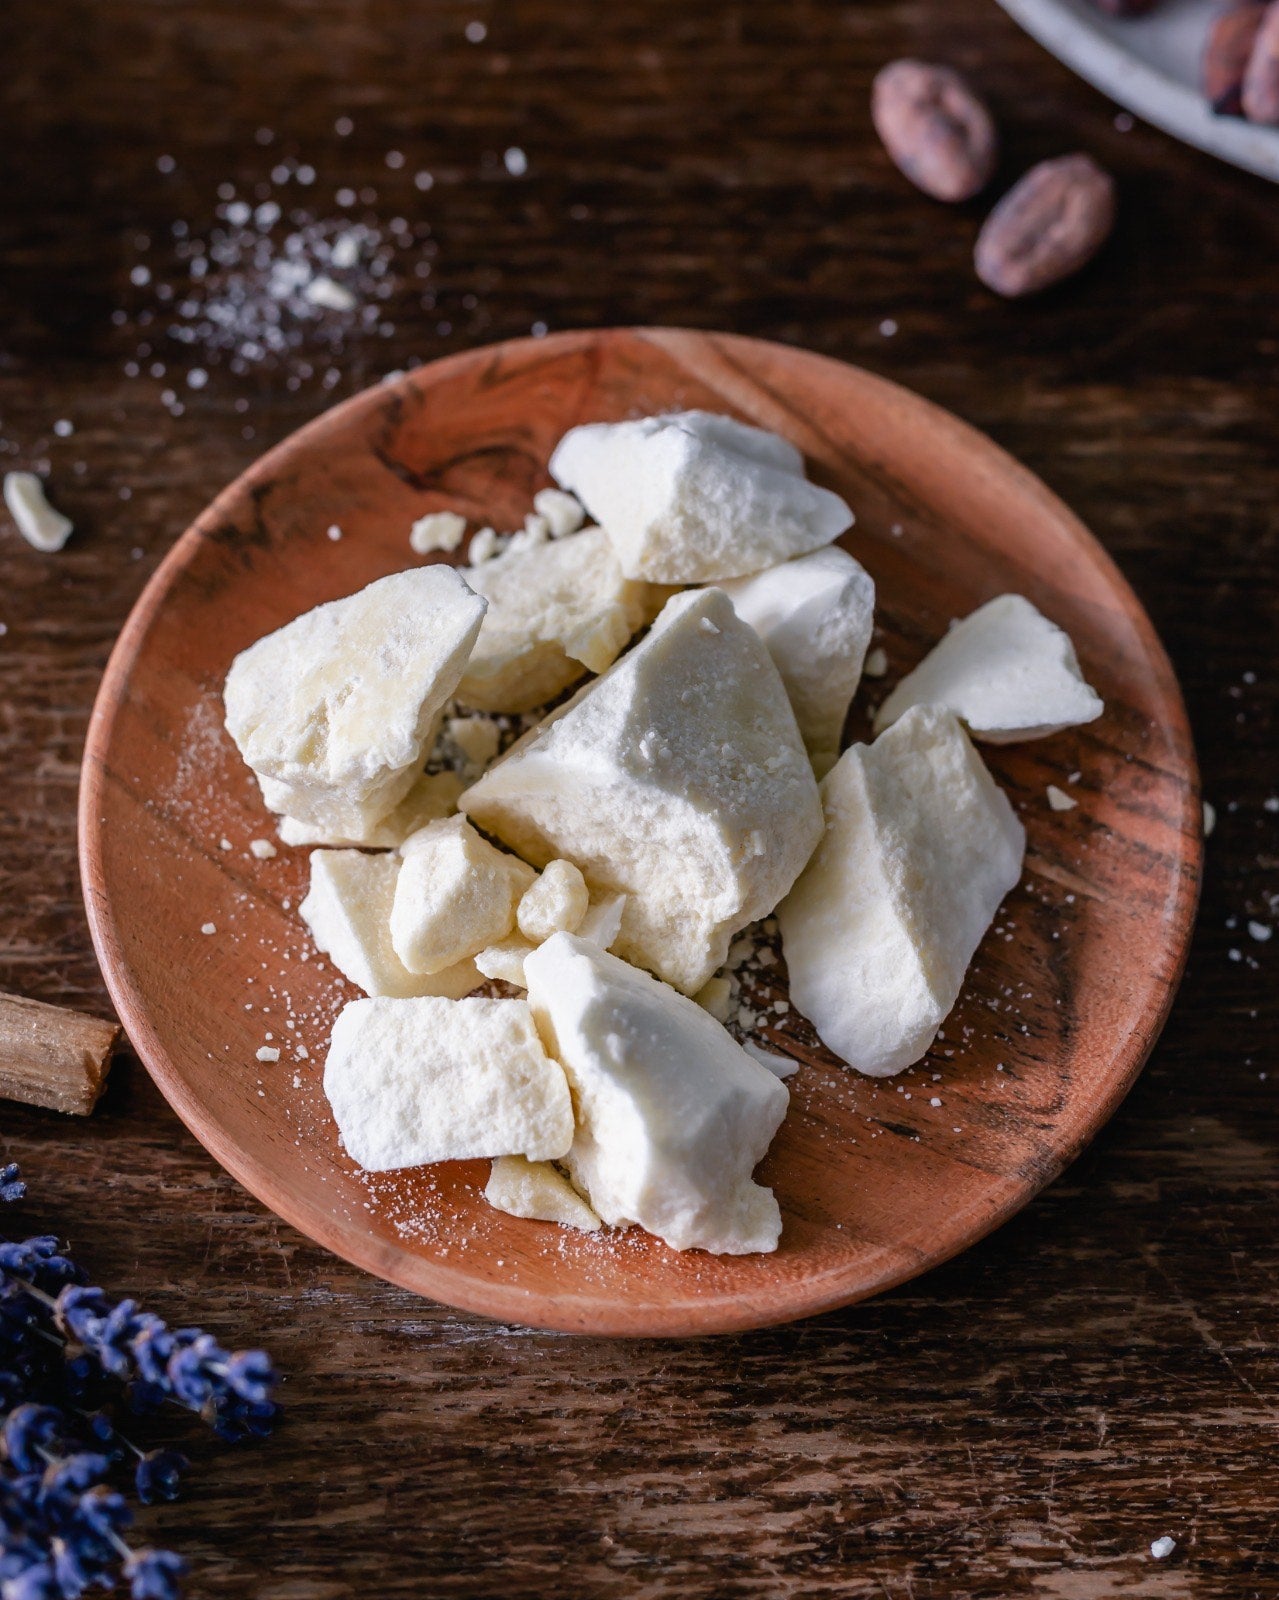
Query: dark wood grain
{"points": [[1105, 1369]]}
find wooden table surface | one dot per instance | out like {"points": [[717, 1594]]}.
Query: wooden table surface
{"points": [[1104, 1370]]}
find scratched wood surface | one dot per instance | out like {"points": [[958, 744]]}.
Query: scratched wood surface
{"points": [[1025, 1420]]}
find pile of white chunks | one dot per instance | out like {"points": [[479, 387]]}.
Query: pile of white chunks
{"points": [[604, 862]]}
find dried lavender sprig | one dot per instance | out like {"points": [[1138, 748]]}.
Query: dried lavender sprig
{"points": [[157, 1474], [61, 1529], [61, 1524], [231, 1391], [57, 1506]]}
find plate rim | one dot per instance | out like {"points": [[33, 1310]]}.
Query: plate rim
{"points": [[828, 1290], [1127, 78]]}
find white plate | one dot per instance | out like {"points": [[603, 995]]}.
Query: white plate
{"points": [[1150, 65]]}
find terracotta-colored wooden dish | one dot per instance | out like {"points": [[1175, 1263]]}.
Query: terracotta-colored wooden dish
{"points": [[877, 1180]]}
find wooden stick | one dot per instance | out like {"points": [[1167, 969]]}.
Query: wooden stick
{"points": [[53, 1057]]}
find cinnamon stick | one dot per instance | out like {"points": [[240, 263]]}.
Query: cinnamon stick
{"points": [[53, 1057]]}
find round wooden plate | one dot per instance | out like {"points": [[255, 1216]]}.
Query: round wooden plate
{"points": [[878, 1180]]}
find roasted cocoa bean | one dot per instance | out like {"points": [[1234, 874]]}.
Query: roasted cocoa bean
{"points": [[937, 131], [1227, 50], [1047, 226]]}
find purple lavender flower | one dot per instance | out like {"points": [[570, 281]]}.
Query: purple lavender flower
{"points": [[81, 1312], [18, 1555], [152, 1346], [19, 1505], [36, 1582], [104, 1511], [154, 1575], [30, 1434], [158, 1475], [79, 1563], [37, 1261], [185, 1365], [67, 1479], [62, 1342], [236, 1420], [249, 1374]]}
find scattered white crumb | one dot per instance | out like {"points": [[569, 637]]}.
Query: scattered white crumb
{"points": [[39, 524], [529, 536], [888, 327], [537, 526], [1210, 818], [476, 737], [1272, 804], [779, 1066], [563, 512], [209, 927], [225, 844], [64, 427], [438, 530], [346, 250], [322, 291], [934, 1101], [263, 849], [334, 532], [1163, 1547], [1260, 931], [1059, 800], [515, 161], [483, 546], [268, 1052], [476, 32], [876, 664]]}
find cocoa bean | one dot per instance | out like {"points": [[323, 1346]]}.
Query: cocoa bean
{"points": [[1260, 97], [937, 131], [1047, 226], [1227, 50]]}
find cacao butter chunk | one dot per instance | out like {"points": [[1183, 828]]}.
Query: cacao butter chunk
{"points": [[600, 925], [348, 910], [432, 796], [815, 615], [535, 1189], [919, 850], [756, 444], [678, 779], [334, 711], [455, 894], [603, 921], [555, 610], [693, 498], [556, 903], [505, 959], [411, 1081], [1005, 671], [672, 1115]]}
